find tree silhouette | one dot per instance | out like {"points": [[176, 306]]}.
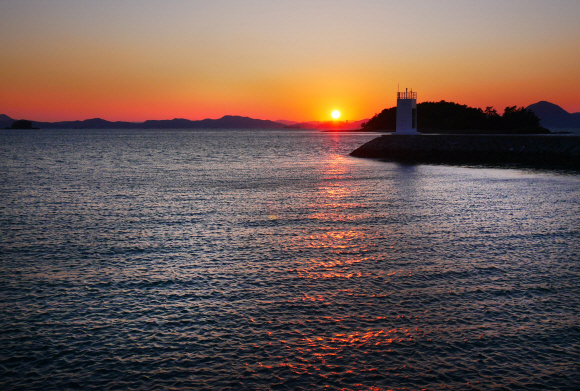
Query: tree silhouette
{"points": [[450, 117]]}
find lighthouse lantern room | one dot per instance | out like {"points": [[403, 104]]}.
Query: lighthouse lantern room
{"points": [[407, 112]]}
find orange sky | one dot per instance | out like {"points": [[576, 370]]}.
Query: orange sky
{"points": [[300, 60]]}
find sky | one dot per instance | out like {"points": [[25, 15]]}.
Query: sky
{"points": [[133, 60]]}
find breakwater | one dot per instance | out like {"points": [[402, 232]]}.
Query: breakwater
{"points": [[528, 150]]}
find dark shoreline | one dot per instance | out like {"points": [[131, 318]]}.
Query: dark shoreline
{"points": [[534, 151]]}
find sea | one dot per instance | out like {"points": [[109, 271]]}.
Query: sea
{"points": [[272, 260]]}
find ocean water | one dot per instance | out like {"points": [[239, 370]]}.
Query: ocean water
{"points": [[165, 259]]}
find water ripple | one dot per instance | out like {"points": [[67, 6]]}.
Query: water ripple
{"points": [[270, 260]]}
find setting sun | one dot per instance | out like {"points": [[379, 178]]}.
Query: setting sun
{"points": [[335, 114]]}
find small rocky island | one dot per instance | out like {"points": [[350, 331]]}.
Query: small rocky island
{"points": [[22, 124]]}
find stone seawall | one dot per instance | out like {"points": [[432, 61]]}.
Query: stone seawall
{"points": [[529, 150]]}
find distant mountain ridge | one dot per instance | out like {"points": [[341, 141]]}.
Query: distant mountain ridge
{"points": [[550, 114], [226, 122], [553, 116]]}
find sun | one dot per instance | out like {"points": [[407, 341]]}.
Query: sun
{"points": [[335, 114]]}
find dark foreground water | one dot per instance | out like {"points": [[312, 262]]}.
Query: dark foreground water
{"points": [[272, 260]]}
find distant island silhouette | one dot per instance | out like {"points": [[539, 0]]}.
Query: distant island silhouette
{"points": [[553, 116], [22, 124]]}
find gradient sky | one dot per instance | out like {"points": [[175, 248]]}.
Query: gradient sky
{"points": [[298, 60]]}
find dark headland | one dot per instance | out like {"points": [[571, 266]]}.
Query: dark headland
{"points": [[457, 134]]}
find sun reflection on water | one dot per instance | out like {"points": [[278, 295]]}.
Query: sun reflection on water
{"points": [[340, 245], [341, 249], [324, 355]]}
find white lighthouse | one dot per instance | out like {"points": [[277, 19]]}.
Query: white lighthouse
{"points": [[407, 112]]}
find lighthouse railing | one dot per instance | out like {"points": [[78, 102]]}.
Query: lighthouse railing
{"points": [[407, 95]]}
